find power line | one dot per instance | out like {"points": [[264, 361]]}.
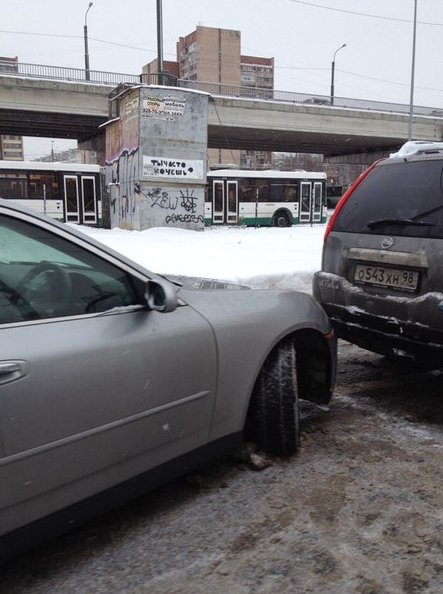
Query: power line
{"points": [[382, 80], [40, 34], [79, 37], [225, 62], [214, 60], [364, 14], [389, 82], [300, 68]]}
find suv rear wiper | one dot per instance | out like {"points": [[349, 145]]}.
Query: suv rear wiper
{"points": [[400, 222], [420, 215]]}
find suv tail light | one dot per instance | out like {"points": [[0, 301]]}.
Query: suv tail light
{"points": [[345, 197]]}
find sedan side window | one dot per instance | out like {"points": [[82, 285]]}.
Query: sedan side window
{"points": [[43, 275]]}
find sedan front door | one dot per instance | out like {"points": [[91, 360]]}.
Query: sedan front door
{"points": [[94, 388]]}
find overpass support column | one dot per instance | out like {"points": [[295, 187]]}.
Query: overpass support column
{"points": [[343, 170], [365, 159], [97, 145]]}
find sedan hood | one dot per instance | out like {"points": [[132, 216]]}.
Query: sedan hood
{"points": [[199, 283]]}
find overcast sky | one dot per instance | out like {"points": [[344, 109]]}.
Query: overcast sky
{"points": [[301, 36]]}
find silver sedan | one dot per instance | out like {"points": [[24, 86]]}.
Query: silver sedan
{"points": [[114, 379]]}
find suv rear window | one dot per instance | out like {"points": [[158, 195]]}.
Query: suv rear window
{"points": [[397, 198]]}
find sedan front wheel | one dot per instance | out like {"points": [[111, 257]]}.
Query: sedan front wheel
{"points": [[274, 410]]}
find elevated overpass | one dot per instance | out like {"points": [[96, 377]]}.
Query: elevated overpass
{"points": [[59, 104]]}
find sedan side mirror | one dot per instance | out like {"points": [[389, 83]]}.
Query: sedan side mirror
{"points": [[161, 296]]}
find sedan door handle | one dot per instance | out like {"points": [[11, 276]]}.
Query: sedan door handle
{"points": [[12, 370]]}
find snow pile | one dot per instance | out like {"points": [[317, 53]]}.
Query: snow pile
{"points": [[263, 257]]}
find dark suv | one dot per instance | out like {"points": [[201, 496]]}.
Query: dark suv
{"points": [[382, 268]]}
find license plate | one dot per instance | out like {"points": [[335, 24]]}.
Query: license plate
{"points": [[379, 276]]}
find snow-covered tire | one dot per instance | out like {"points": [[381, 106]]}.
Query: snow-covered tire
{"points": [[275, 407]]}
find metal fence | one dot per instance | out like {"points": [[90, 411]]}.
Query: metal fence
{"points": [[41, 71], [307, 98], [113, 79]]}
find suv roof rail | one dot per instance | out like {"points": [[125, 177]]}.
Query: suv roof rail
{"points": [[417, 147]]}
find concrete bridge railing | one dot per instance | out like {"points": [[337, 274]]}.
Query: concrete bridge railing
{"points": [[112, 79]]}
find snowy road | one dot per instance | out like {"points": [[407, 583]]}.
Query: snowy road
{"points": [[358, 510]]}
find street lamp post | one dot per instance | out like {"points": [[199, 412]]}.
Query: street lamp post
{"points": [[85, 34], [333, 72]]}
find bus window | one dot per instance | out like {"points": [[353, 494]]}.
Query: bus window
{"points": [[283, 192], [248, 192], [263, 190], [255, 191], [88, 187], [39, 183], [71, 198], [218, 197], [13, 185], [232, 196]]}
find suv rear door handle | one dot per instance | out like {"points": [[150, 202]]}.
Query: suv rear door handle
{"points": [[12, 370]]}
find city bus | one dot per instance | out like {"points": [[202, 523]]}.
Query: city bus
{"points": [[259, 198], [69, 192]]}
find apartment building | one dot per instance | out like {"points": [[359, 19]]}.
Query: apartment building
{"points": [[257, 80], [170, 73], [212, 55], [11, 148], [257, 74]]}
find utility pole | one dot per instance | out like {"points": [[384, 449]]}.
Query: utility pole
{"points": [[411, 99], [159, 42]]}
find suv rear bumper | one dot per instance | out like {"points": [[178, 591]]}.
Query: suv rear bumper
{"points": [[385, 343], [404, 333]]}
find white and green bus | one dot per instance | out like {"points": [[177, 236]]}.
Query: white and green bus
{"points": [[69, 192], [259, 198]]}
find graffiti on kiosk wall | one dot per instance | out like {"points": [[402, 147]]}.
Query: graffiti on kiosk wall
{"points": [[184, 218], [185, 201], [161, 199], [163, 108], [172, 168], [123, 175]]}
